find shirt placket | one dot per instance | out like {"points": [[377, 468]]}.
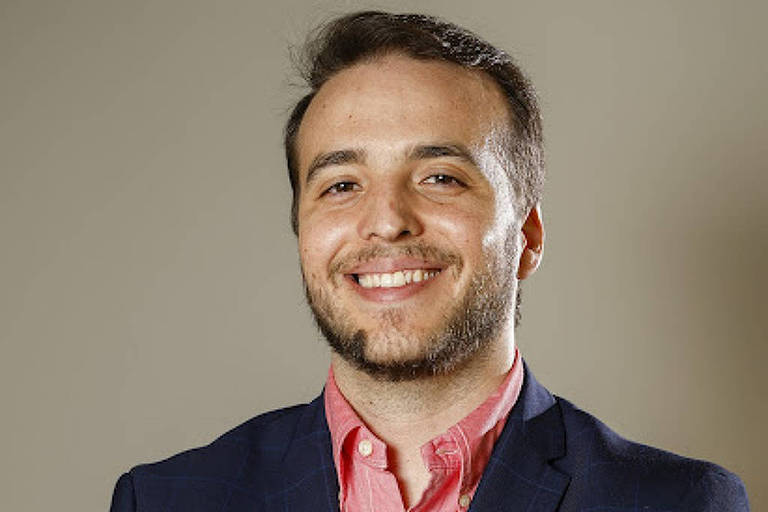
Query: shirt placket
{"points": [[376, 489], [443, 458]]}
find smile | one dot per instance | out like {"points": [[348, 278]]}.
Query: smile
{"points": [[394, 279]]}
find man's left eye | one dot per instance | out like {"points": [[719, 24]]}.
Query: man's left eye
{"points": [[442, 179]]}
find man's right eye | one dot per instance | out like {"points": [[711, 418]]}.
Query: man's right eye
{"points": [[341, 188]]}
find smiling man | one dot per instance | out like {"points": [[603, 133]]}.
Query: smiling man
{"points": [[416, 166]]}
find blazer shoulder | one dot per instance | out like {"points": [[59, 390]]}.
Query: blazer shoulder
{"points": [[242, 458], [606, 466], [717, 489]]}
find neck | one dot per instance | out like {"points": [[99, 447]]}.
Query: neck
{"points": [[413, 412]]}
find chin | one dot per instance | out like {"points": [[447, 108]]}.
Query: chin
{"points": [[393, 350]]}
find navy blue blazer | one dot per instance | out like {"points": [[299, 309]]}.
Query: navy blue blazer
{"points": [[550, 456]]}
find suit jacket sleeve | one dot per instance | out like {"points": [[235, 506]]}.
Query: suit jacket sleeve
{"points": [[123, 499], [717, 491]]}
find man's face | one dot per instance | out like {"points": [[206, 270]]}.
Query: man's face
{"points": [[408, 232]]}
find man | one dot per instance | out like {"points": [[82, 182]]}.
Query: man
{"points": [[416, 166]]}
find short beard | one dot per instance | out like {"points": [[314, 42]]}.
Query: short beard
{"points": [[468, 328]]}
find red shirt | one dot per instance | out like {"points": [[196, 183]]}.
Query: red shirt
{"points": [[455, 459]]}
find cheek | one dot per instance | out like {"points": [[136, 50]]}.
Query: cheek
{"points": [[320, 239], [494, 161], [466, 229], [498, 235]]}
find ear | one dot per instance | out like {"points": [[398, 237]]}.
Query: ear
{"points": [[533, 243]]}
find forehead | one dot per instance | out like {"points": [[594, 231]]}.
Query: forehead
{"points": [[395, 101]]}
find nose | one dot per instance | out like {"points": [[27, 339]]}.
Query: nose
{"points": [[389, 213]]}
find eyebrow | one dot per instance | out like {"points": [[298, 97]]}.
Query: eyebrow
{"points": [[356, 156], [340, 157], [424, 152]]}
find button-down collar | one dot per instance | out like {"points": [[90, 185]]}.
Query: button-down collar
{"points": [[455, 459]]}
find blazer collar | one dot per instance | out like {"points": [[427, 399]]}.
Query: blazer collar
{"points": [[519, 475]]}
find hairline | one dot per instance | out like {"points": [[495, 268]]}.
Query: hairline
{"points": [[292, 138]]}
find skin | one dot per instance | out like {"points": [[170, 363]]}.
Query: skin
{"points": [[372, 198]]}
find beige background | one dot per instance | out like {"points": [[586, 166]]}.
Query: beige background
{"points": [[149, 293]]}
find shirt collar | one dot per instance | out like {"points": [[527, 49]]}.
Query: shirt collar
{"points": [[468, 443]]}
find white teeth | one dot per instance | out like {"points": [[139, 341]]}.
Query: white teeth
{"points": [[395, 279]]}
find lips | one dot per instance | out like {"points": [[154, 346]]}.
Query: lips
{"points": [[392, 279]]}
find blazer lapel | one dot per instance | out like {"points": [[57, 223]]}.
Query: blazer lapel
{"points": [[519, 475], [307, 474]]}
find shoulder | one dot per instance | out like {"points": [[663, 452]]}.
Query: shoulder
{"points": [[249, 454], [608, 468], [264, 437]]}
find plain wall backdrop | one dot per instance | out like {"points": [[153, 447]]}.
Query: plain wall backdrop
{"points": [[150, 297]]}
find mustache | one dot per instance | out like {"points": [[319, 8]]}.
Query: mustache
{"points": [[423, 251]]}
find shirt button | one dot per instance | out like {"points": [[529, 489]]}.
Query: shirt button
{"points": [[365, 448], [464, 500]]}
